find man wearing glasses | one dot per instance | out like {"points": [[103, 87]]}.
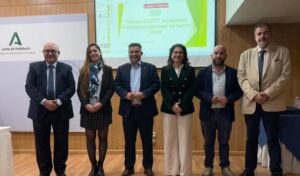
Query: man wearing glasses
{"points": [[50, 85]]}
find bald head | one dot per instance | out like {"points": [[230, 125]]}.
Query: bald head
{"points": [[219, 55], [50, 45], [219, 48]]}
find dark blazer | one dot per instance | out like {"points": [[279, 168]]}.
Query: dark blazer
{"points": [[149, 86], [36, 88], [105, 94], [174, 89], [204, 91]]}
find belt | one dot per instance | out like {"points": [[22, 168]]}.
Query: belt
{"points": [[217, 109], [136, 105]]}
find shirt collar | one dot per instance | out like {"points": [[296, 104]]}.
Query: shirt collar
{"points": [[259, 49], [54, 64], [178, 68], [138, 64], [214, 69]]}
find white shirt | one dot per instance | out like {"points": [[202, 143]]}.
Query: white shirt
{"points": [[178, 70], [218, 84]]}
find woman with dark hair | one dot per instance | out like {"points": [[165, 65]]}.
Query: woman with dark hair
{"points": [[95, 89], [177, 88]]}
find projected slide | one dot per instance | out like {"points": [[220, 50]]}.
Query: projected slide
{"points": [[157, 25]]}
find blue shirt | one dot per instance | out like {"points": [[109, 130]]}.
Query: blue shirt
{"points": [[135, 80]]}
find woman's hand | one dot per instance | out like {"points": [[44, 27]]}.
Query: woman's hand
{"points": [[90, 108]]}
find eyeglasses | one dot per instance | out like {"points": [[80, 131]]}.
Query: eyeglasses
{"points": [[51, 51]]}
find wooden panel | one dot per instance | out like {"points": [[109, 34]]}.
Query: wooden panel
{"points": [[235, 38]]}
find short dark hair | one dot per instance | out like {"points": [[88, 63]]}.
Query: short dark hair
{"points": [[135, 44], [262, 24]]}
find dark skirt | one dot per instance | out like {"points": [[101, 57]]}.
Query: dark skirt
{"points": [[97, 120]]}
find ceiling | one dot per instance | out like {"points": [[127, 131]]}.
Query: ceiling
{"points": [[243, 12]]}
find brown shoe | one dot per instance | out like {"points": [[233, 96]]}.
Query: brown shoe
{"points": [[128, 172], [148, 172]]}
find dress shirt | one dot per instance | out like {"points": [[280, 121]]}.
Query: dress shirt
{"points": [[218, 84], [135, 80]]}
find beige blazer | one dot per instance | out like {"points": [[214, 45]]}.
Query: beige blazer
{"points": [[275, 78]]}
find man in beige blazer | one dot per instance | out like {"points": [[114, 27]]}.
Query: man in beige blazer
{"points": [[263, 73]]}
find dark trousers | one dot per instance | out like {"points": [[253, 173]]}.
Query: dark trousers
{"points": [[270, 122], [137, 121], [42, 131], [216, 122]]}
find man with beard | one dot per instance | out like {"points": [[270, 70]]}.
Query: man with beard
{"points": [[263, 73], [217, 89], [136, 83]]}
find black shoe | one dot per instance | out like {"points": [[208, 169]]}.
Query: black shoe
{"points": [[100, 172], [276, 174], [128, 172], [148, 172], [61, 174], [247, 173], [94, 170]]}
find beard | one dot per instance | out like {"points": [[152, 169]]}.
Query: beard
{"points": [[263, 44], [134, 60], [218, 62]]}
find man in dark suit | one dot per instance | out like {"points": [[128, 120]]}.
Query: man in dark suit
{"points": [[218, 89], [50, 85], [136, 83]]}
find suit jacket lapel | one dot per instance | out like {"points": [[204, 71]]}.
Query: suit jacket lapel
{"points": [[173, 76], [44, 77], [209, 79], [181, 75], [269, 60], [143, 76], [57, 77], [254, 64], [127, 71], [227, 80]]}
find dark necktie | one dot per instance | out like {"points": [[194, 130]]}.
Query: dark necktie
{"points": [[261, 66], [51, 93]]}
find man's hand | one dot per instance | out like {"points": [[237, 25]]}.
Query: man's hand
{"points": [[129, 96], [139, 95], [223, 100], [51, 105], [215, 100], [261, 98]]}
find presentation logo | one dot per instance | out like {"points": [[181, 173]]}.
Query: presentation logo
{"points": [[15, 39], [15, 47]]}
